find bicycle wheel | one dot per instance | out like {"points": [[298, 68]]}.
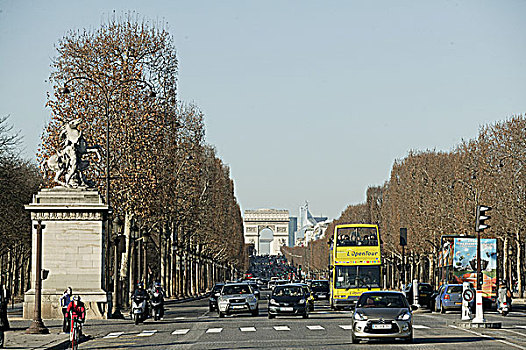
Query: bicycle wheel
{"points": [[75, 338]]}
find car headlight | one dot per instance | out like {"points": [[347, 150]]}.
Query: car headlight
{"points": [[302, 301], [358, 316], [273, 302], [404, 316]]}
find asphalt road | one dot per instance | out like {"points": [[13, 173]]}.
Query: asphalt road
{"points": [[191, 326]]}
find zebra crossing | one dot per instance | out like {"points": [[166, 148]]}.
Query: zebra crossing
{"points": [[217, 330], [246, 329]]}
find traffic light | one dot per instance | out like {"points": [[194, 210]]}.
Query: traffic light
{"points": [[403, 236], [481, 218]]}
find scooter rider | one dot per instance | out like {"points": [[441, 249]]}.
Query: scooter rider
{"points": [[142, 293], [158, 290]]}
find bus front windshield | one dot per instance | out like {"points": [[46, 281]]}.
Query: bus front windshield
{"points": [[356, 236], [357, 276]]}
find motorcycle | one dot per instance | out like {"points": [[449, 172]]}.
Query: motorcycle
{"points": [[139, 309], [157, 304]]}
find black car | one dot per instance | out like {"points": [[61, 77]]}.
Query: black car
{"points": [[288, 299], [212, 301], [320, 289], [425, 290]]}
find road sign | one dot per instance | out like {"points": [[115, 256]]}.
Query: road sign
{"points": [[468, 295]]}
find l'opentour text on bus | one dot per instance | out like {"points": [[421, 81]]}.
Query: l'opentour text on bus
{"points": [[355, 262]]}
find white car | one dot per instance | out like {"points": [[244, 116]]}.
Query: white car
{"points": [[237, 298]]}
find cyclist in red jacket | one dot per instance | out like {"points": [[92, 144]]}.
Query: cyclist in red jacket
{"points": [[77, 310]]}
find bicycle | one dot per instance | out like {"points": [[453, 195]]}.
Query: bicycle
{"points": [[75, 333]]}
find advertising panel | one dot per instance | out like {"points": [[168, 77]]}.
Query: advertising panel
{"points": [[465, 262]]}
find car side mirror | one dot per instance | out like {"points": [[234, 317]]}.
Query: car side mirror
{"points": [[414, 307]]}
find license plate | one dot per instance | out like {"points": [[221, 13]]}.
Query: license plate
{"points": [[286, 308], [238, 307], [458, 303], [321, 295], [382, 326]]}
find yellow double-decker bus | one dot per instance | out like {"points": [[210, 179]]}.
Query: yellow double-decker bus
{"points": [[355, 263]]}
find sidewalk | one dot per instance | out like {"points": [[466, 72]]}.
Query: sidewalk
{"points": [[16, 338]]}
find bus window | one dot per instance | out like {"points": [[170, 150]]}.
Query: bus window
{"points": [[357, 276], [357, 236]]}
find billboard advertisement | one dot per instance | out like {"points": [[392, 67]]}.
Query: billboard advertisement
{"points": [[465, 262]]}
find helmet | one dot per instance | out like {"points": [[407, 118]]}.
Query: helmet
{"points": [[157, 284], [76, 298], [140, 285]]}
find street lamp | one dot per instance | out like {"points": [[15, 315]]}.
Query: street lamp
{"points": [[145, 238], [118, 237], [107, 94]]}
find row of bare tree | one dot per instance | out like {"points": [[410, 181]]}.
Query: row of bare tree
{"points": [[170, 189], [435, 193], [19, 180]]}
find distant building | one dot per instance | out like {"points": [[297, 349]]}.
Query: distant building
{"points": [[293, 229], [267, 230], [310, 227]]}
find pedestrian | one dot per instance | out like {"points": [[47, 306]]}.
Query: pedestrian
{"points": [[65, 299]]}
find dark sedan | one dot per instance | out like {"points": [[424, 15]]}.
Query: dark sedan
{"points": [[289, 300], [321, 289]]}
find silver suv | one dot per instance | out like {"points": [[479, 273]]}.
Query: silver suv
{"points": [[237, 298]]}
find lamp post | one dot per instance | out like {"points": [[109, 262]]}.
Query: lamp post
{"points": [[145, 238], [117, 239], [107, 93], [37, 326]]}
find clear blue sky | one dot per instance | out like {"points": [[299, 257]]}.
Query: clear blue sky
{"points": [[305, 100]]}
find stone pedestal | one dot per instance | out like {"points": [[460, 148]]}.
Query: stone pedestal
{"points": [[73, 246]]}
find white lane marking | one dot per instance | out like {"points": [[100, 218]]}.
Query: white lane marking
{"points": [[521, 327], [147, 333], [114, 335], [315, 328], [346, 326], [489, 337], [247, 329], [179, 318], [518, 333], [180, 331], [214, 330], [419, 326], [282, 328]]}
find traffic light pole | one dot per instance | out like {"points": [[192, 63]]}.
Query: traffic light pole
{"points": [[480, 225]]}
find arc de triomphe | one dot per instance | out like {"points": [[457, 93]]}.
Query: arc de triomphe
{"points": [[276, 220]]}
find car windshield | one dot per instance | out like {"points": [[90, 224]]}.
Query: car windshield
{"points": [[236, 289], [363, 276], [217, 287], [288, 292], [454, 289], [391, 300], [320, 284], [356, 236]]}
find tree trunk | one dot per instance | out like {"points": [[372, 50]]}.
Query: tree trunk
{"points": [[505, 249], [519, 263]]}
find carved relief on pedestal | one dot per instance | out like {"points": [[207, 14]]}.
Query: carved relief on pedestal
{"points": [[65, 215]]}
